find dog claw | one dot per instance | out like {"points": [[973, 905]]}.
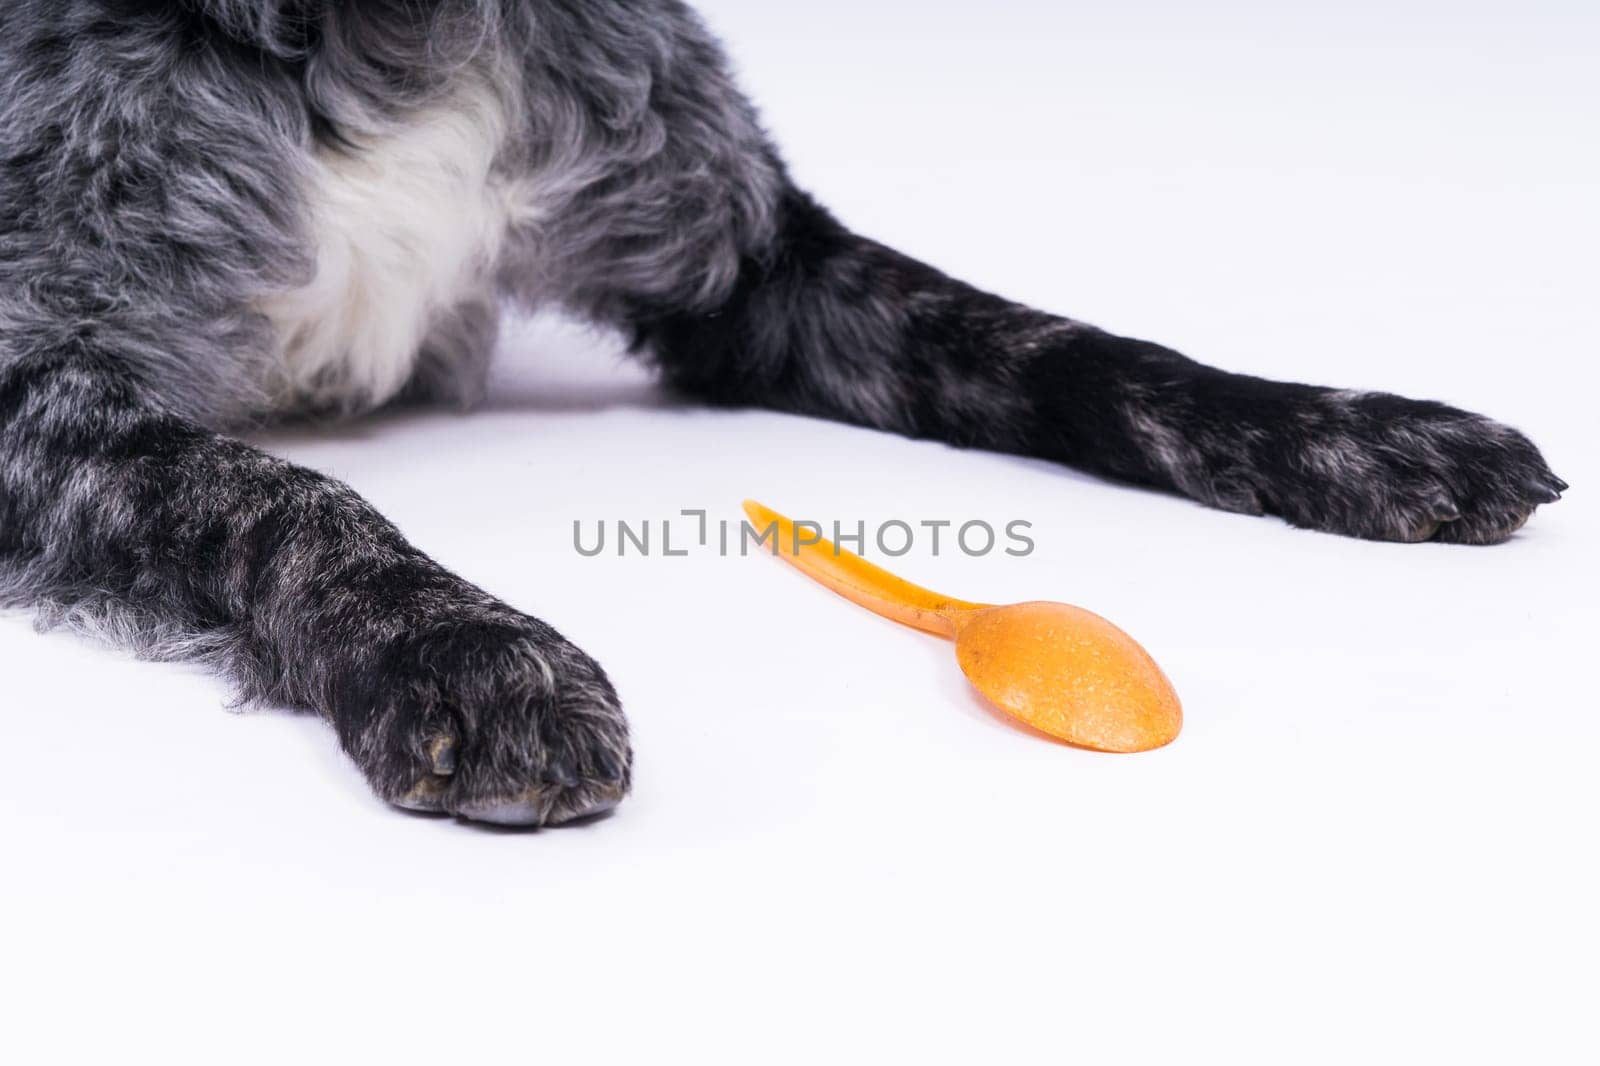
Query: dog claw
{"points": [[610, 767], [426, 796], [1546, 488], [442, 755]]}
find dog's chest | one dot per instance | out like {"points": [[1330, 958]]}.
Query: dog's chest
{"points": [[404, 229]]}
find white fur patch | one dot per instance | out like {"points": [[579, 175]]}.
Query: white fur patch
{"points": [[407, 226]]}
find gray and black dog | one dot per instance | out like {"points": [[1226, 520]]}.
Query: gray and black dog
{"points": [[215, 213]]}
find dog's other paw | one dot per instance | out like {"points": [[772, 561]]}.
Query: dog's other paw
{"points": [[1388, 468], [498, 720]]}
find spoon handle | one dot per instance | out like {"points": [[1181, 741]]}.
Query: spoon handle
{"points": [[859, 581]]}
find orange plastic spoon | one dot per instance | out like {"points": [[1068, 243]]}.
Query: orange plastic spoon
{"points": [[1060, 669]]}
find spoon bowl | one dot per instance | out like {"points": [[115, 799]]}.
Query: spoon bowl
{"points": [[1068, 672]]}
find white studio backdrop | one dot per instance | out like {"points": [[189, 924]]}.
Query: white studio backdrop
{"points": [[1374, 839]]}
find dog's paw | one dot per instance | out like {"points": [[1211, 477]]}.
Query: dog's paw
{"points": [[1387, 468], [500, 720]]}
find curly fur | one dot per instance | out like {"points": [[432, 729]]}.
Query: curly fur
{"points": [[215, 213]]}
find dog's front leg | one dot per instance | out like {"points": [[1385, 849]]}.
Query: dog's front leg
{"points": [[113, 511]]}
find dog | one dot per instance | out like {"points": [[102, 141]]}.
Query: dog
{"points": [[219, 213]]}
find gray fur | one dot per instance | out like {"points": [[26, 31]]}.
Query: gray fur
{"points": [[166, 174]]}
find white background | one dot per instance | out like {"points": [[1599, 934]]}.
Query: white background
{"points": [[1375, 839]]}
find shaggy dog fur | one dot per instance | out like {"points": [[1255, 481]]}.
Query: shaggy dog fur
{"points": [[219, 212]]}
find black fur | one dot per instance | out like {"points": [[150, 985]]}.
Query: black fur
{"points": [[158, 160], [827, 323]]}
